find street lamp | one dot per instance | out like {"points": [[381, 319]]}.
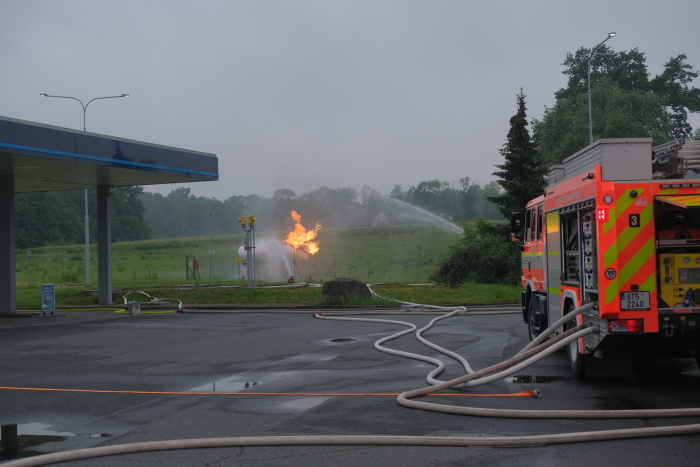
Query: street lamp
{"points": [[211, 247], [590, 58], [87, 218], [85, 106]]}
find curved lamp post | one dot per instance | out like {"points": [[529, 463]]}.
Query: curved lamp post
{"points": [[85, 106], [87, 218], [590, 58]]}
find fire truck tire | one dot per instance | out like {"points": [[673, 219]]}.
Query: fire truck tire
{"points": [[576, 359], [535, 321]]}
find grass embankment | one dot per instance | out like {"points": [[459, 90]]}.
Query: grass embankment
{"points": [[301, 296], [395, 255]]}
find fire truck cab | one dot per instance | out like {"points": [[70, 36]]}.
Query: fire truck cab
{"points": [[618, 225]]}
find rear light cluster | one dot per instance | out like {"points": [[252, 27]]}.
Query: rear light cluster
{"points": [[626, 325]]}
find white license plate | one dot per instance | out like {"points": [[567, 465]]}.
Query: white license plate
{"points": [[634, 301]]}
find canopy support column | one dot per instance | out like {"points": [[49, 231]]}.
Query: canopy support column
{"points": [[8, 284], [104, 244]]}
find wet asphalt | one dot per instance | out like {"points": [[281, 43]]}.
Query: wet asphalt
{"points": [[120, 379]]}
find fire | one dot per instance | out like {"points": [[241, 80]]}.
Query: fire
{"points": [[302, 238]]}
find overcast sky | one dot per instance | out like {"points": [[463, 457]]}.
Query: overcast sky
{"points": [[300, 94]]}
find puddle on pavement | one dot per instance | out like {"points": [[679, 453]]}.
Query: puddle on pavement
{"points": [[31, 438], [232, 384], [278, 405], [294, 405], [518, 379]]}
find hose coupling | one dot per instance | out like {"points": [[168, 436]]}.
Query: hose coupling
{"points": [[537, 393]]}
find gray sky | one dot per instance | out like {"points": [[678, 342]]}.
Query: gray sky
{"points": [[300, 94]]}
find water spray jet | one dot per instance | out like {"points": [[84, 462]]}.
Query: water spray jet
{"points": [[410, 211], [274, 259]]}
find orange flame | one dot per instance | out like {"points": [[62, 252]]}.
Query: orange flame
{"points": [[302, 238]]}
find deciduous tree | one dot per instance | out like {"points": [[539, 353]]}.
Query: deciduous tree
{"points": [[626, 102]]}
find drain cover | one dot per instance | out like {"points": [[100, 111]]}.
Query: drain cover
{"points": [[342, 339]]}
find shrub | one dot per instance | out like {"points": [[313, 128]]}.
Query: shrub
{"points": [[483, 255]]}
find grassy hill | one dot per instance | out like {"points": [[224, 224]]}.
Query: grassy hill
{"points": [[383, 254], [371, 254]]}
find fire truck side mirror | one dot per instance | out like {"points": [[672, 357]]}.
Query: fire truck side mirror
{"points": [[516, 223], [516, 228]]}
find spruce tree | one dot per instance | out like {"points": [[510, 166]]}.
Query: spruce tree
{"points": [[521, 173]]}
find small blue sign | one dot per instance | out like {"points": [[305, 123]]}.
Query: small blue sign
{"points": [[48, 298]]}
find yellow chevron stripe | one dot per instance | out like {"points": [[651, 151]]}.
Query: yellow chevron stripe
{"points": [[611, 291], [625, 237], [644, 254], [610, 255], [649, 284], [630, 233], [682, 200], [612, 217]]}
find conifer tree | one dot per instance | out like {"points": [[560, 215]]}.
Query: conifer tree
{"points": [[521, 173]]}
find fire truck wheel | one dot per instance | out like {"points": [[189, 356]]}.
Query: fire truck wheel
{"points": [[576, 359], [535, 322]]}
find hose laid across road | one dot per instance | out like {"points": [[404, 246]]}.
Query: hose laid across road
{"points": [[528, 355], [367, 440]]}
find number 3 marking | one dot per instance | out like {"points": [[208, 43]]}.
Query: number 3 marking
{"points": [[634, 220]]}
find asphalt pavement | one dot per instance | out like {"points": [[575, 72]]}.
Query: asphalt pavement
{"points": [[97, 378]]}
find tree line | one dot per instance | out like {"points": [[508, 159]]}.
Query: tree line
{"points": [[181, 214], [57, 218]]}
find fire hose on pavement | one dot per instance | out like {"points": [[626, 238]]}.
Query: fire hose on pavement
{"points": [[533, 352]]}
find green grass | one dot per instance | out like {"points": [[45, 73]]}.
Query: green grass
{"points": [[300, 297], [467, 294], [394, 255]]}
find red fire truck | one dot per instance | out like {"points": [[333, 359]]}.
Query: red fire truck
{"points": [[618, 225]]}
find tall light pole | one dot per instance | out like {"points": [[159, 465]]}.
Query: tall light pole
{"points": [[211, 247], [87, 218], [590, 58], [85, 106]]}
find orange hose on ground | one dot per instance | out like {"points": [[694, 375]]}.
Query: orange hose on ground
{"points": [[108, 391]]}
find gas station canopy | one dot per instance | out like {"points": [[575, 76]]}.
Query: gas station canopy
{"points": [[48, 158], [36, 157]]}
